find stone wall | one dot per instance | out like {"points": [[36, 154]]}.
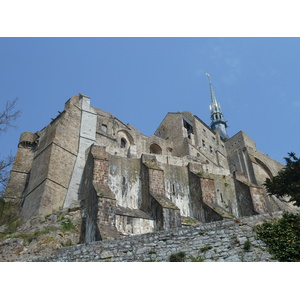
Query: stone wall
{"points": [[50, 162], [222, 241]]}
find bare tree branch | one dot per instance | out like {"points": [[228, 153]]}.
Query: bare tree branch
{"points": [[9, 115], [4, 174], [7, 118]]}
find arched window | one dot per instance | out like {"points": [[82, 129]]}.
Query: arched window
{"points": [[123, 143], [124, 134], [155, 149], [104, 127]]}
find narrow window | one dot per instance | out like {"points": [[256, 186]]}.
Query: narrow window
{"points": [[104, 127], [123, 185], [203, 143], [123, 143], [210, 149], [189, 128]]}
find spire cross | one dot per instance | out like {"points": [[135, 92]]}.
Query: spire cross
{"points": [[208, 76]]}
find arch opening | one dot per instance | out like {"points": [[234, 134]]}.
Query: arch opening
{"points": [[155, 149]]}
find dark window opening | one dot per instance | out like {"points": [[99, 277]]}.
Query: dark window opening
{"points": [[123, 143], [123, 186], [173, 189], [189, 128]]}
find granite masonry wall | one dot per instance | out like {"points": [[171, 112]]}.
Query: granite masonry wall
{"points": [[220, 241]]}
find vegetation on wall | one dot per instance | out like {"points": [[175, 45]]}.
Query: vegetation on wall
{"points": [[9, 217], [282, 237]]}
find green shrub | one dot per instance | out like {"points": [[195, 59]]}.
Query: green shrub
{"points": [[282, 237], [67, 225], [177, 257], [247, 245]]}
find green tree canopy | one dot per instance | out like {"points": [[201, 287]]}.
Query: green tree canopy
{"points": [[287, 181]]}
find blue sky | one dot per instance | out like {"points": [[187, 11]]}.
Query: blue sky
{"points": [[140, 80]]}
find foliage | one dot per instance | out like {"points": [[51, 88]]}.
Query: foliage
{"points": [[206, 248], [180, 257], [67, 225], [287, 182], [247, 245], [189, 222], [9, 217], [29, 237], [198, 258], [177, 257], [282, 237]]}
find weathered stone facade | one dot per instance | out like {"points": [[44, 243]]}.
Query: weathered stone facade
{"points": [[125, 183]]}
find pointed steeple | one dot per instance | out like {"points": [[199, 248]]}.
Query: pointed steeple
{"points": [[216, 115]]}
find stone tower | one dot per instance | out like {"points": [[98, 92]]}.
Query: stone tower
{"points": [[216, 115]]}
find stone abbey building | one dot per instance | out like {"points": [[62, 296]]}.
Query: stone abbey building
{"points": [[124, 182]]}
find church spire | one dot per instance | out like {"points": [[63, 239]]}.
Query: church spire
{"points": [[216, 115]]}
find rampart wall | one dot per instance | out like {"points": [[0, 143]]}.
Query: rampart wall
{"points": [[222, 241]]}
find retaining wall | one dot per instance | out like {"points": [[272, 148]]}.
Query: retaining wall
{"points": [[221, 241]]}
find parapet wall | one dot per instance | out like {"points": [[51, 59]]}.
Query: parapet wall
{"points": [[221, 241]]}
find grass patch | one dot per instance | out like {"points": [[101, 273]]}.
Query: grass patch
{"points": [[198, 258], [189, 222], [67, 225], [29, 237], [206, 248]]}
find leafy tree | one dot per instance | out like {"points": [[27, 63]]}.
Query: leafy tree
{"points": [[7, 117], [287, 181], [282, 237]]}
